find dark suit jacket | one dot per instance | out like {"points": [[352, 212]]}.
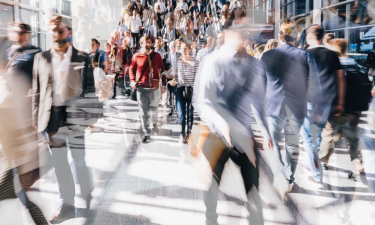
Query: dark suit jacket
{"points": [[202, 7], [43, 84], [288, 71]]}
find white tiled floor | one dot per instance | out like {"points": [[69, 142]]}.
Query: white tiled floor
{"points": [[154, 183]]}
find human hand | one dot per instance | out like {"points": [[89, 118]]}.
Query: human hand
{"points": [[133, 85], [339, 110], [267, 144]]}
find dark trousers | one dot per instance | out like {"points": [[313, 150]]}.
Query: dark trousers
{"points": [[250, 176], [171, 94], [185, 111], [136, 40]]}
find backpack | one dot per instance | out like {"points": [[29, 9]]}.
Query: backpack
{"points": [[358, 88]]}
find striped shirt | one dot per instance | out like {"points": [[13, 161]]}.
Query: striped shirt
{"points": [[187, 73]]}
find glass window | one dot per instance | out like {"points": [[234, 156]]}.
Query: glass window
{"points": [[30, 17], [6, 16], [362, 12], [65, 8], [300, 7], [34, 3]]}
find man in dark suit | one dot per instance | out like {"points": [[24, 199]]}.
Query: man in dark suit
{"points": [[201, 7], [57, 76], [288, 72]]}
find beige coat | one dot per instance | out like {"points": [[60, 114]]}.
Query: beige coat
{"points": [[43, 84]]}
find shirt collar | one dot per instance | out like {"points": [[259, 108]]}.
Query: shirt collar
{"points": [[316, 46], [68, 53], [145, 53]]}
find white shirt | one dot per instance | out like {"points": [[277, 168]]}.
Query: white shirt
{"points": [[183, 6], [174, 63], [162, 6], [60, 70], [135, 23]]}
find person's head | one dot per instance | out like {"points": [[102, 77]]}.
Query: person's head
{"points": [[112, 40], [94, 44], [271, 44], [314, 35], [127, 34], [19, 32], [200, 1], [220, 39], [158, 43], [158, 7], [172, 46], [339, 45], [288, 33], [124, 43], [134, 12], [327, 38], [145, 43], [178, 44], [113, 53], [210, 42], [225, 11], [260, 49], [181, 12], [186, 48], [59, 31], [107, 47], [169, 23]]}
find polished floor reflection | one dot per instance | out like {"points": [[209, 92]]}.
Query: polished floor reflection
{"points": [[154, 183]]}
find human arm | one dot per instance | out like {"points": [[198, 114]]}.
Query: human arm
{"points": [[132, 73], [35, 92], [341, 89]]}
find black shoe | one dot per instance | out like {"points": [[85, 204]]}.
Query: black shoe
{"points": [[325, 167], [88, 201], [186, 138], [63, 213], [171, 112], [145, 139], [351, 176]]}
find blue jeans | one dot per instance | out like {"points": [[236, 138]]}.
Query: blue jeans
{"points": [[311, 134], [64, 174], [185, 111], [291, 132]]}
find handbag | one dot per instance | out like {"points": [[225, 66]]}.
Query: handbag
{"points": [[188, 92]]}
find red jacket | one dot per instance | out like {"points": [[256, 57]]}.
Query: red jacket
{"points": [[140, 64]]}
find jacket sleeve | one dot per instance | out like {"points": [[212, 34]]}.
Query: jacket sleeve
{"points": [[35, 92], [133, 69]]}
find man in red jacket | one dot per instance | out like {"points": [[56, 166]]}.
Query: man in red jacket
{"points": [[145, 76]]}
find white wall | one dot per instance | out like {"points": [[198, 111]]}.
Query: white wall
{"points": [[94, 19]]}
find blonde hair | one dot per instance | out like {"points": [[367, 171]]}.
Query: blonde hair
{"points": [[271, 44], [288, 32], [339, 45]]}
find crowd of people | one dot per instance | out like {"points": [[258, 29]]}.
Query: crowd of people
{"points": [[195, 56]]}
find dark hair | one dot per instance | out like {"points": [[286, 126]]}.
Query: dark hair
{"points": [[96, 41], [25, 28], [144, 38], [317, 31]]}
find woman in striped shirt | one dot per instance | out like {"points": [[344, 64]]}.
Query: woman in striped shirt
{"points": [[187, 69]]}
